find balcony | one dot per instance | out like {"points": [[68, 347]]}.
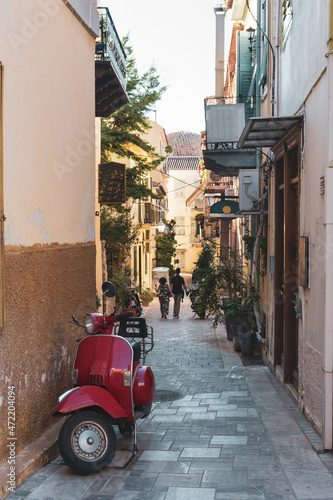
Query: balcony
{"points": [[149, 213], [225, 121], [110, 68]]}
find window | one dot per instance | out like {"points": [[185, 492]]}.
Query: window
{"points": [[286, 18], [180, 225]]}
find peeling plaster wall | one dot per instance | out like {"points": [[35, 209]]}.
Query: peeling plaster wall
{"points": [[44, 286], [311, 328], [49, 124], [49, 200]]}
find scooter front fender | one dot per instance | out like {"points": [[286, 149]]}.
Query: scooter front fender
{"points": [[88, 395]]}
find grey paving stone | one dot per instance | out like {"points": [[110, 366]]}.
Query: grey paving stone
{"points": [[225, 477], [205, 416], [165, 456], [201, 452], [212, 395], [229, 440], [310, 483], [232, 413], [183, 481], [236, 450], [143, 483], [175, 493], [166, 467], [181, 443], [198, 409], [217, 464], [234, 492]]}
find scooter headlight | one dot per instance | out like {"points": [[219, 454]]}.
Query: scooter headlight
{"points": [[89, 324], [94, 323]]}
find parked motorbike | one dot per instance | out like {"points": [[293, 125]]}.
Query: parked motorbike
{"points": [[110, 387], [132, 301]]}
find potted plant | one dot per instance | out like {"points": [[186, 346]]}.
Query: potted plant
{"points": [[242, 315], [146, 297], [232, 283]]}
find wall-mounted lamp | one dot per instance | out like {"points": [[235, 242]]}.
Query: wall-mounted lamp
{"points": [[250, 34]]}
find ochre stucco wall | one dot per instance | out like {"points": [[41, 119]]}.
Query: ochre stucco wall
{"points": [[44, 286]]}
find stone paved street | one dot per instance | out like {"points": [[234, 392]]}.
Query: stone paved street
{"points": [[229, 435]]}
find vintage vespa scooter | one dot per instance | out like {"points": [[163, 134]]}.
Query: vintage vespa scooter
{"points": [[111, 387]]}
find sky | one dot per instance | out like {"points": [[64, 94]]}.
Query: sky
{"points": [[178, 38]]}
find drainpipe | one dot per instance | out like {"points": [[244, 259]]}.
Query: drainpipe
{"points": [[219, 51], [258, 45], [219, 92], [328, 325]]}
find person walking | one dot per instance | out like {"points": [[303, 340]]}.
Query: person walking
{"points": [[177, 287], [164, 293]]}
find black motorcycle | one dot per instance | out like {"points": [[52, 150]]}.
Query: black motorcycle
{"points": [[132, 301]]}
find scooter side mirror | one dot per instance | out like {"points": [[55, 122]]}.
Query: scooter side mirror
{"points": [[108, 289]]}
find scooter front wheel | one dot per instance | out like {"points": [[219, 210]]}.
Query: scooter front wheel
{"points": [[87, 442]]}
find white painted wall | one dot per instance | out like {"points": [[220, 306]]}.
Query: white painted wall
{"points": [[49, 124], [302, 57]]}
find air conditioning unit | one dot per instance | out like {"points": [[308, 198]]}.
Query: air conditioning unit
{"points": [[249, 190]]}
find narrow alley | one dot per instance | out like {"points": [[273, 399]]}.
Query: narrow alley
{"points": [[218, 430]]}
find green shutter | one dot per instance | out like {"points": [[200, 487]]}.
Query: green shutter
{"points": [[263, 64], [244, 70]]}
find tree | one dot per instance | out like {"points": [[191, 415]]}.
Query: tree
{"points": [[121, 132], [166, 245], [119, 231]]}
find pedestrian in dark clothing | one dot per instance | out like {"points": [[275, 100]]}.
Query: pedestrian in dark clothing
{"points": [[177, 287], [164, 293]]}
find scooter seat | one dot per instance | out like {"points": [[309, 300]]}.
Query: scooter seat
{"points": [[136, 346]]}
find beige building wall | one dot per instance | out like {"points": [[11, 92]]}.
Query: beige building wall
{"points": [[181, 185], [157, 138], [49, 196]]}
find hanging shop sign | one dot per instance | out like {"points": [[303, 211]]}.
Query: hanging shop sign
{"points": [[225, 210], [112, 183]]}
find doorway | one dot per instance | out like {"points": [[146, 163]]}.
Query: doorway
{"points": [[286, 276]]}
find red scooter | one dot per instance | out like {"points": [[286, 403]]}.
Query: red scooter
{"points": [[110, 387]]}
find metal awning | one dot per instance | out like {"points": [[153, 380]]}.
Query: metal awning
{"points": [[227, 163], [266, 131]]}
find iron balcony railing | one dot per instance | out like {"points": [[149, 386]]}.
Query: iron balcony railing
{"points": [[109, 46]]}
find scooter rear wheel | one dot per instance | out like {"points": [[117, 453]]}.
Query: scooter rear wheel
{"points": [[87, 442]]}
